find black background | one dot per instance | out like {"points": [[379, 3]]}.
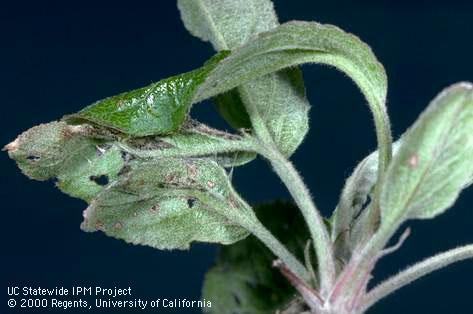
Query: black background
{"points": [[57, 57]]}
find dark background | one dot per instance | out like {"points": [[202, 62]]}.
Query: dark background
{"points": [[57, 57]]}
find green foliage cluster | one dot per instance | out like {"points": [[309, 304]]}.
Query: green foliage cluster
{"points": [[153, 176]]}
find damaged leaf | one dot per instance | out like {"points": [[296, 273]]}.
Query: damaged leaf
{"points": [[195, 139], [68, 153], [168, 204]]}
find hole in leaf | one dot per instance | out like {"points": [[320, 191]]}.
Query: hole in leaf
{"points": [[33, 158], [191, 202], [100, 180]]}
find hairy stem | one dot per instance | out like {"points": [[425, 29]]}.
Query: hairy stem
{"points": [[243, 215], [252, 224], [315, 223], [265, 236], [416, 271]]}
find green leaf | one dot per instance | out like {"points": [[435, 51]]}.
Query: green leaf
{"points": [[84, 161], [194, 139], [159, 108], [68, 153], [434, 161], [230, 106], [353, 200], [279, 109], [227, 24], [276, 103], [243, 281], [88, 175], [296, 43], [167, 204], [424, 179]]}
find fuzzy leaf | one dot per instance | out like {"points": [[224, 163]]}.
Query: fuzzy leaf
{"points": [[434, 161], [87, 175], [159, 108], [194, 140], [243, 281], [68, 153], [277, 102], [296, 43], [353, 198], [83, 161], [227, 24], [167, 204]]}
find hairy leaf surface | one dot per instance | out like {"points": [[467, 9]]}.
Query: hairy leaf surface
{"points": [[296, 43], [276, 102], [227, 24], [68, 153], [194, 140], [434, 161], [346, 234], [168, 204]]}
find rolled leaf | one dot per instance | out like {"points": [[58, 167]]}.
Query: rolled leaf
{"points": [[347, 231], [157, 109], [194, 139]]}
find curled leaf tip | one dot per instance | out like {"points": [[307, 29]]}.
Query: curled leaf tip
{"points": [[12, 146]]}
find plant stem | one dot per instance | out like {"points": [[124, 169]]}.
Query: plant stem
{"points": [[415, 272], [361, 263], [315, 223], [265, 236], [244, 216]]}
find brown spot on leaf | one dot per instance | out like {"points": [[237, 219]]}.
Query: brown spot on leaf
{"points": [[413, 161], [170, 178], [118, 225], [191, 170], [210, 184], [232, 202], [121, 104], [154, 208], [99, 226]]}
